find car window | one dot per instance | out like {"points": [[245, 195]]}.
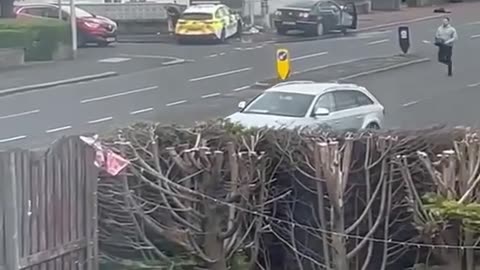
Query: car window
{"points": [[325, 101], [34, 11], [281, 104], [220, 13], [328, 6], [79, 13], [345, 99], [363, 99], [303, 3], [196, 16]]}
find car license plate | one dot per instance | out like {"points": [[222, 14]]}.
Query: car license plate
{"points": [[289, 23], [110, 39]]}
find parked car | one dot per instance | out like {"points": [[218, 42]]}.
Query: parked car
{"points": [[208, 21], [91, 28], [306, 104], [316, 17]]}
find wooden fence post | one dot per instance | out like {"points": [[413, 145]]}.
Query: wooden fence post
{"points": [[9, 201], [91, 210]]}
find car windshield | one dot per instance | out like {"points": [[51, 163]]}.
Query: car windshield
{"points": [[196, 16], [282, 104], [79, 13], [303, 3]]}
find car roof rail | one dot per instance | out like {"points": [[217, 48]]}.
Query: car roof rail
{"points": [[293, 82]]}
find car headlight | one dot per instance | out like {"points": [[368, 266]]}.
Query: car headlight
{"points": [[304, 14], [278, 13]]}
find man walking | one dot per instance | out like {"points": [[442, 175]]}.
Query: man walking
{"points": [[444, 39]]}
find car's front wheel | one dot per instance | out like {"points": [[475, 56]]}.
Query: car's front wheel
{"points": [[281, 31], [319, 30], [373, 126]]}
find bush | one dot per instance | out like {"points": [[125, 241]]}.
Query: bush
{"points": [[39, 37]]}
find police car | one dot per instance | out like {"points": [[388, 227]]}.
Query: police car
{"points": [[208, 21]]}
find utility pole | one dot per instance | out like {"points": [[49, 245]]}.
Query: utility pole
{"points": [[265, 13], [73, 25], [251, 8]]}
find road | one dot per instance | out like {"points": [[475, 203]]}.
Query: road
{"points": [[215, 77]]}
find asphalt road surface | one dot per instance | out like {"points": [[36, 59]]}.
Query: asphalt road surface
{"points": [[216, 77]]}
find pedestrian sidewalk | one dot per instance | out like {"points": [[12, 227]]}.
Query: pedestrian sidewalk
{"points": [[381, 19]]}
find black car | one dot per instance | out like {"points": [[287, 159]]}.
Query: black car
{"points": [[316, 17]]}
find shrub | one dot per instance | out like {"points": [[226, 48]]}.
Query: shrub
{"points": [[39, 37]]}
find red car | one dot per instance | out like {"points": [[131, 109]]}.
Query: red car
{"points": [[91, 28]]}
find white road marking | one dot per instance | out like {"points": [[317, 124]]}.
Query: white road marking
{"points": [[114, 60], [212, 55], [308, 56], [149, 56], [475, 36], [473, 23], [408, 104], [100, 120], [241, 88], [426, 42], [119, 94], [378, 42], [222, 53], [474, 84], [58, 129], [220, 74], [11, 139], [211, 95], [262, 84], [19, 114], [141, 111], [176, 103]]}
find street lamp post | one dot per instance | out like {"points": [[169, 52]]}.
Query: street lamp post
{"points": [[73, 25]]}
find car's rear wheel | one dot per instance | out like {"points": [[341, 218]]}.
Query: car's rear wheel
{"points": [[281, 31], [373, 126]]}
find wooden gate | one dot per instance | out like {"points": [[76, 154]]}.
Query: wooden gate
{"points": [[48, 208]]}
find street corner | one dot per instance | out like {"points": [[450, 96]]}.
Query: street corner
{"points": [[349, 69]]}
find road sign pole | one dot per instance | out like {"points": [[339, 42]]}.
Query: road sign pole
{"points": [[73, 25], [404, 38], [283, 64]]}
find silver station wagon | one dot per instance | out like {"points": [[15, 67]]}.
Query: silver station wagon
{"points": [[307, 104]]}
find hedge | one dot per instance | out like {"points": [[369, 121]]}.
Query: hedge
{"points": [[38, 36]]}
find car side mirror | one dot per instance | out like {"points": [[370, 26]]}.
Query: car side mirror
{"points": [[321, 112], [242, 105]]}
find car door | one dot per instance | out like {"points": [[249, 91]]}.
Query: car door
{"points": [[330, 13], [325, 101], [347, 113], [233, 21], [349, 15]]}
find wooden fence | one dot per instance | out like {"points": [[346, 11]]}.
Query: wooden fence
{"points": [[48, 208]]}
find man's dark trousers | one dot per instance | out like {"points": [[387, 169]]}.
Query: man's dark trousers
{"points": [[445, 56]]}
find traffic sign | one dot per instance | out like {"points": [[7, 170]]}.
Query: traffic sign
{"points": [[404, 38], [283, 64]]}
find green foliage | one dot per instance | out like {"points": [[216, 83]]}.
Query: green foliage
{"points": [[451, 210], [37, 36]]}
